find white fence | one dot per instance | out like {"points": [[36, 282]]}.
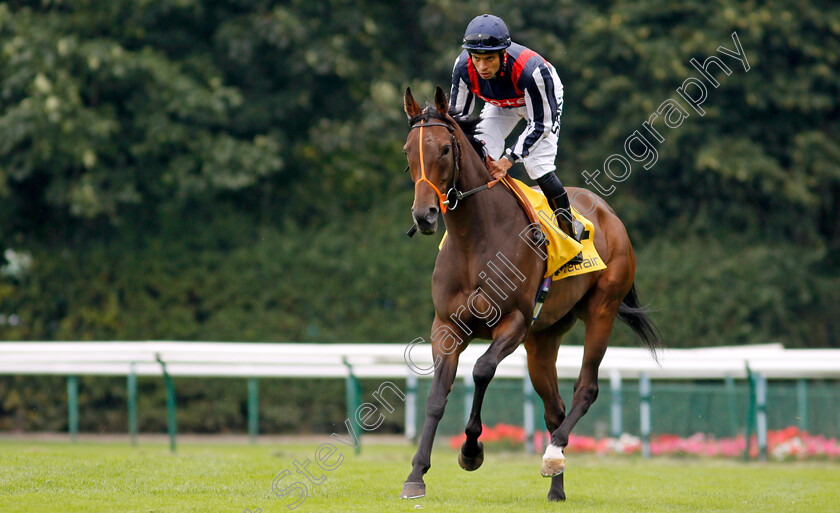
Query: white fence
{"points": [[392, 361]]}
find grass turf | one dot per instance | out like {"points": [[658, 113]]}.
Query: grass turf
{"points": [[115, 477]]}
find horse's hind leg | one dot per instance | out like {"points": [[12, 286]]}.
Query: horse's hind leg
{"points": [[542, 359], [599, 323], [507, 336]]}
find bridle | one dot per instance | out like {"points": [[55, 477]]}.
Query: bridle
{"points": [[453, 191], [456, 158]]}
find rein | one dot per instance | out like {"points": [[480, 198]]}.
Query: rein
{"points": [[456, 157]]}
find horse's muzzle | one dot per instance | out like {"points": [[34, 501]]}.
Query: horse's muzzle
{"points": [[427, 220]]}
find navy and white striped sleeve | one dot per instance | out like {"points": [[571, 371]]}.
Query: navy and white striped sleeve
{"points": [[544, 102], [461, 99]]}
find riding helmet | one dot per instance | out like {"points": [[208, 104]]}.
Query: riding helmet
{"points": [[486, 33]]}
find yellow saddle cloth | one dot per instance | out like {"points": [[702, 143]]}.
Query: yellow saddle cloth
{"points": [[560, 247]]}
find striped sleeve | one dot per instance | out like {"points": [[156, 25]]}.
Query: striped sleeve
{"points": [[461, 99], [544, 102]]}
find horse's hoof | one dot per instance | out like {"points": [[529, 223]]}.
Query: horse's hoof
{"points": [[551, 468], [470, 463], [556, 496], [413, 490], [553, 462]]}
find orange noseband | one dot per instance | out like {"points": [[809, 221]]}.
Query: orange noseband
{"points": [[444, 202]]}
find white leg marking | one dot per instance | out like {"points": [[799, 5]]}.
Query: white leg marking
{"points": [[553, 461], [552, 452]]}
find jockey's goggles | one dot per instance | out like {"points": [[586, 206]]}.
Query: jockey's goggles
{"points": [[484, 42]]}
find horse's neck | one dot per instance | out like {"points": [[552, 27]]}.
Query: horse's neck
{"points": [[480, 221]]}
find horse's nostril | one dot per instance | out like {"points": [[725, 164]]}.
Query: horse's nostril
{"points": [[432, 214]]}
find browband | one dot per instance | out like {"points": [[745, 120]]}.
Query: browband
{"points": [[433, 123]]}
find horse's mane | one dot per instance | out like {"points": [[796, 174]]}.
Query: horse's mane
{"points": [[468, 125]]}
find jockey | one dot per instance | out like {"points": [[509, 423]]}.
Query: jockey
{"points": [[515, 83]]}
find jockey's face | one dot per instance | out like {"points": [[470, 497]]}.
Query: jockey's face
{"points": [[486, 64]]}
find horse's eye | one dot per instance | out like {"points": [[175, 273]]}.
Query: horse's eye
{"points": [[446, 150]]}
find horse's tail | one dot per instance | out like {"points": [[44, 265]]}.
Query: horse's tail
{"points": [[636, 316]]}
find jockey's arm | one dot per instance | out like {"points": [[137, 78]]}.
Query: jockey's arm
{"points": [[544, 101], [461, 99]]}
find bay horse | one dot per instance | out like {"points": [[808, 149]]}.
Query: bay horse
{"points": [[483, 235]]}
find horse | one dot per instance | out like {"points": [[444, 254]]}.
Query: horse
{"points": [[470, 302]]}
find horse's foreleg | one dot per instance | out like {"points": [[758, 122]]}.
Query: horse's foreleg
{"points": [[507, 336], [542, 360], [598, 330], [414, 486]]}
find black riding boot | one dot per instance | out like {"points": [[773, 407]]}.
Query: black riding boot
{"points": [[558, 200]]}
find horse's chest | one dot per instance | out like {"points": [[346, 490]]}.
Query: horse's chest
{"points": [[475, 294], [476, 310]]}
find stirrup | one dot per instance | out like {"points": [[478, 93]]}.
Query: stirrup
{"points": [[575, 230], [578, 228]]}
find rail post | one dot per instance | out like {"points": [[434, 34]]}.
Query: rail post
{"points": [[750, 413], [253, 410], [761, 415], [802, 403], [469, 391], [352, 394], [411, 406], [131, 391], [73, 407], [615, 388], [644, 412], [170, 404], [528, 413]]}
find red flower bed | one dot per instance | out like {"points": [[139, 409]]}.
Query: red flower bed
{"points": [[784, 444], [502, 435]]}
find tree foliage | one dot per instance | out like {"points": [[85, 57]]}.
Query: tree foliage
{"points": [[128, 130], [230, 170]]}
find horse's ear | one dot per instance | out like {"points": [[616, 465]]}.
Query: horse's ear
{"points": [[441, 104], [412, 109]]}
